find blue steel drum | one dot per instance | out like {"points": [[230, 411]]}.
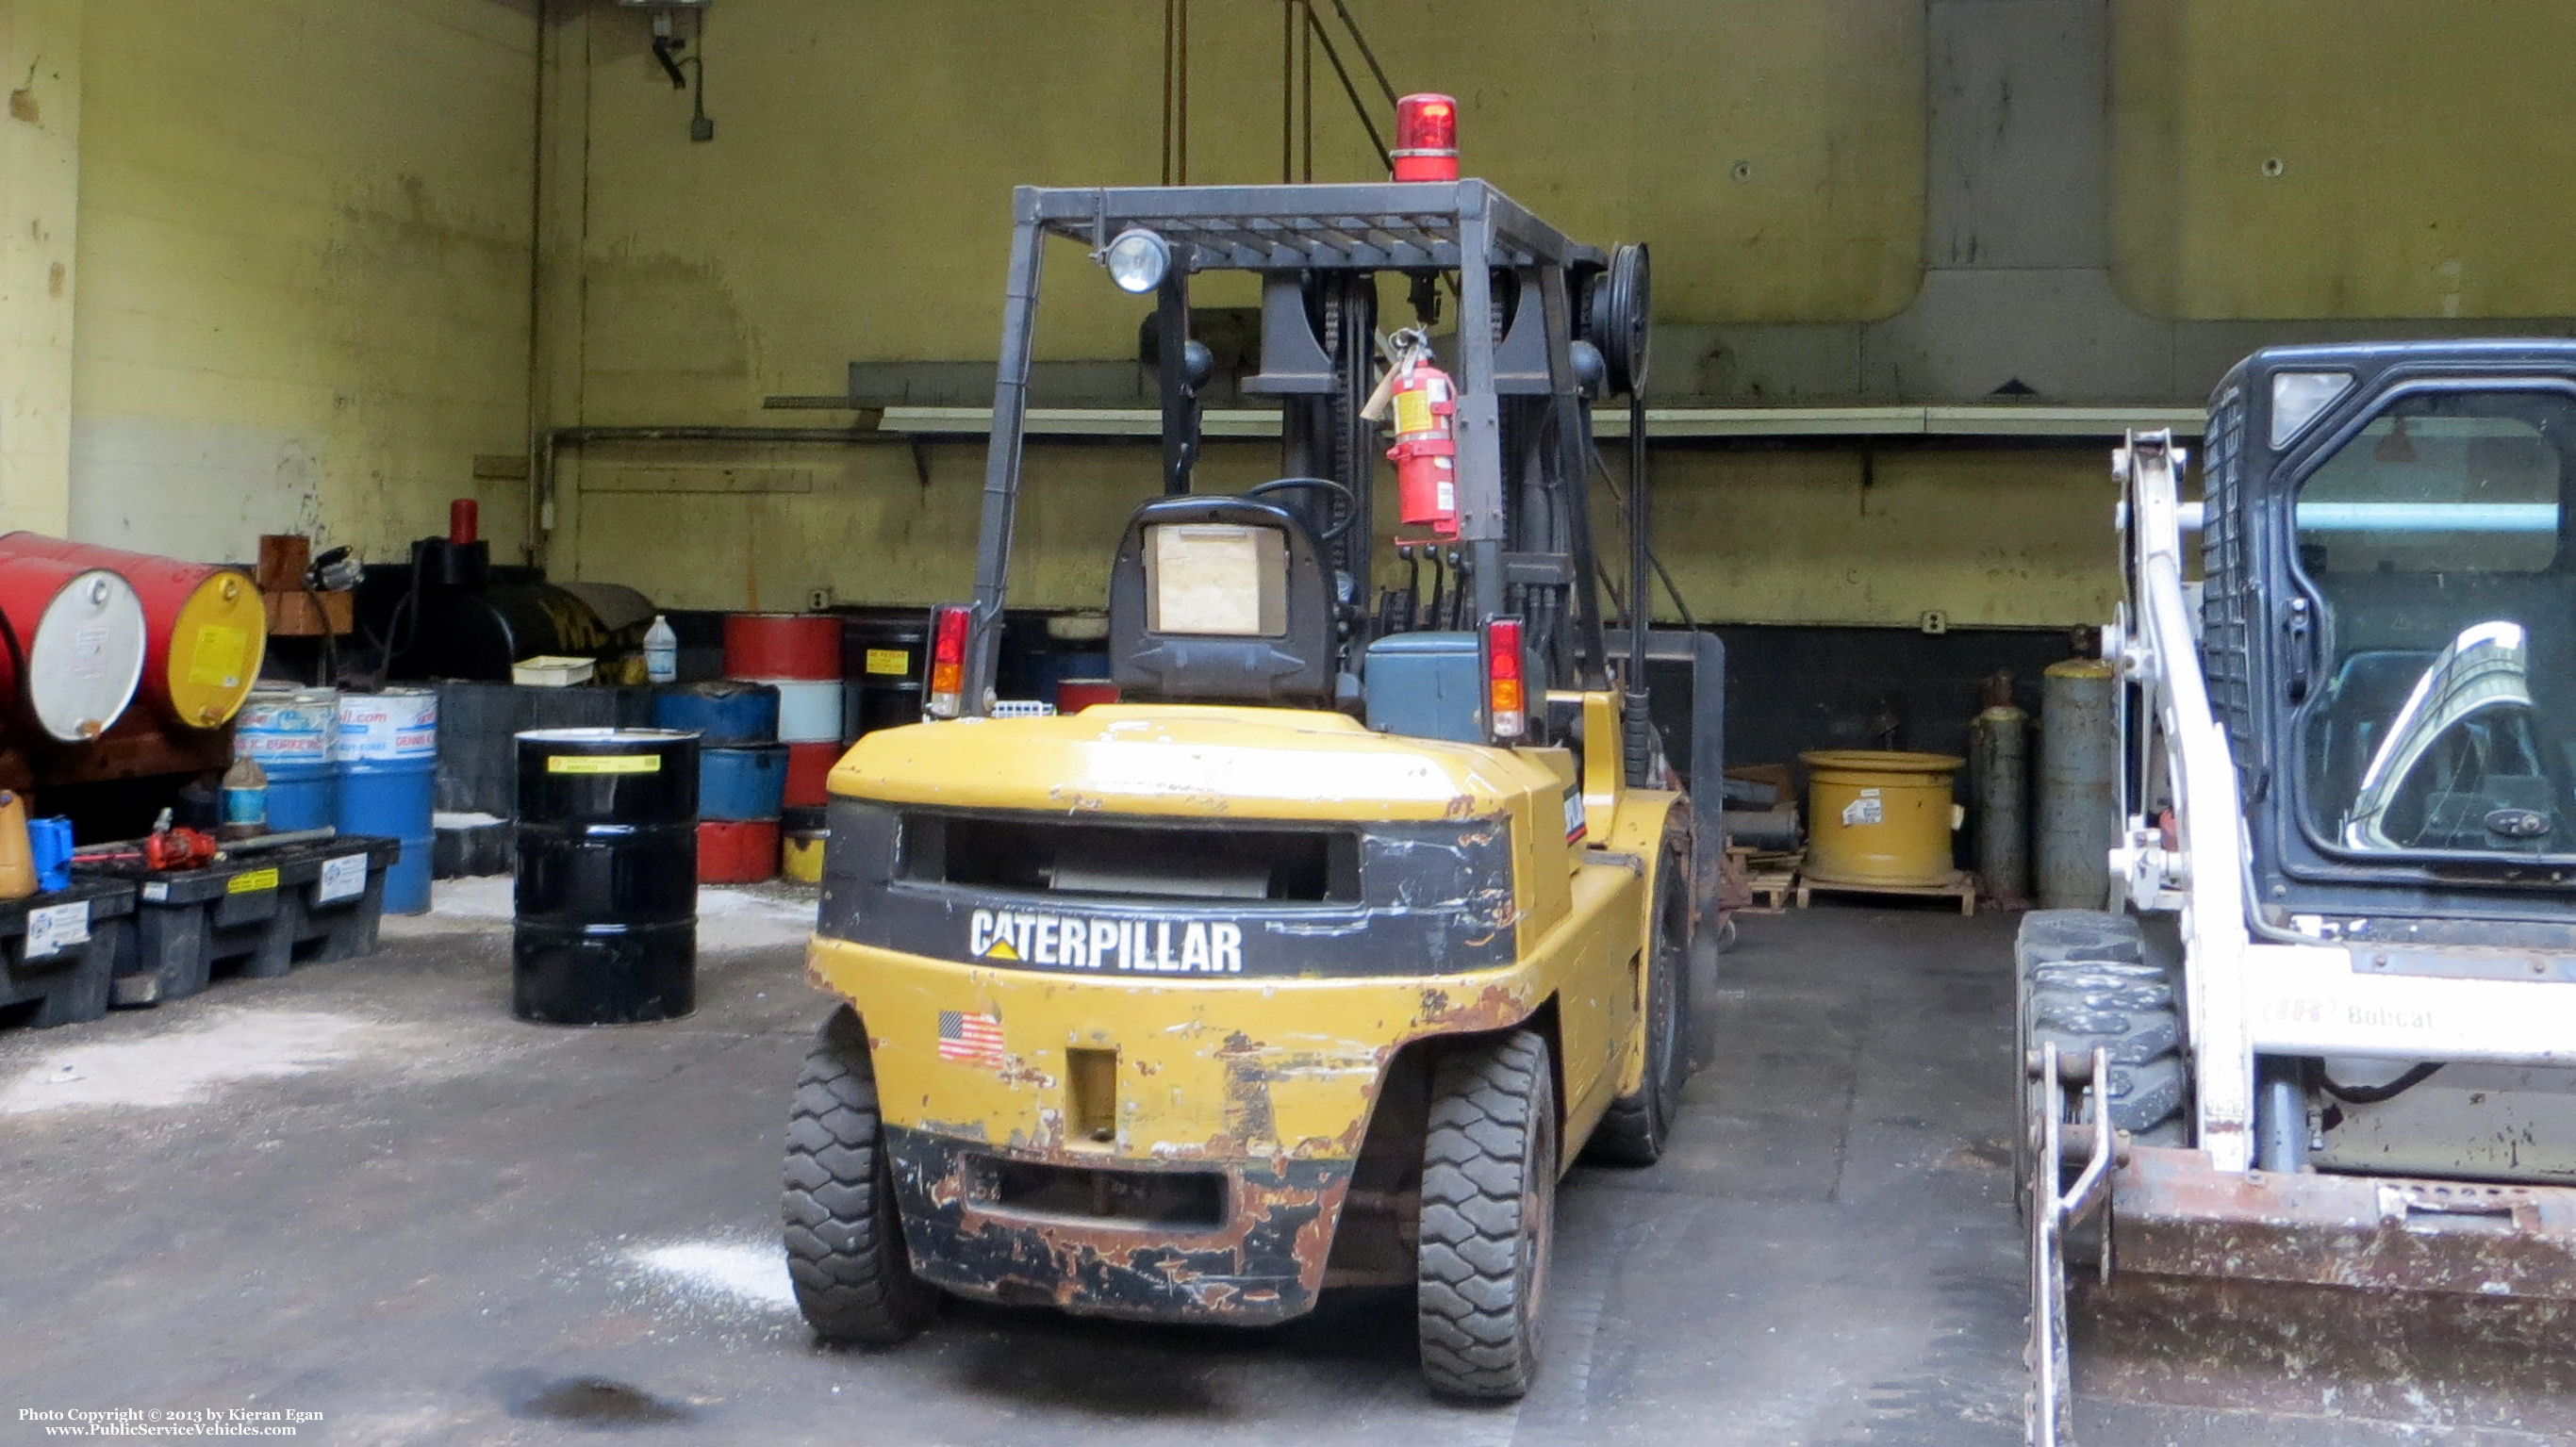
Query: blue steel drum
{"points": [[293, 734], [388, 748], [742, 785], [722, 713]]}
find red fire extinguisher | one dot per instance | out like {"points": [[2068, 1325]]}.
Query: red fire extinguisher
{"points": [[1425, 454]]}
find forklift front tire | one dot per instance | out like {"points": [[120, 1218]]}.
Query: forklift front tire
{"points": [[845, 1250], [1488, 1213]]}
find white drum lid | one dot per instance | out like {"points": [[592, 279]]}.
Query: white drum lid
{"points": [[86, 656]]}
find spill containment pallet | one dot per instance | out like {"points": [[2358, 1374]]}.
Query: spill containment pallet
{"points": [[58, 950], [256, 915]]}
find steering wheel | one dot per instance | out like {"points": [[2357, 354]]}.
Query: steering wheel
{"points": [[1350, 504]]}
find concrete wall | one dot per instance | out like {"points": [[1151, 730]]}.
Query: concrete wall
{"points": [[280, 258], [2344, 158], [852, 208], [303, 270]]}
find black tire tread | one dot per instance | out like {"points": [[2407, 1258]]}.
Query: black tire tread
{"points": [[2086, 982], [1479, 1340], [845, 1249]]}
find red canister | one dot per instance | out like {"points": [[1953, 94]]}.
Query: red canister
{"points": [[1073, 695], [782, 645], [737, 852], [809, 773]]}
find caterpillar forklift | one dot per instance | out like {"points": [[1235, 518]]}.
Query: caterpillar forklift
{"points": [[2300, 1107], [1316, 959]]}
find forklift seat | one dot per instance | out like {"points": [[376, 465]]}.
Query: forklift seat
{"points": [[1220, 600]]}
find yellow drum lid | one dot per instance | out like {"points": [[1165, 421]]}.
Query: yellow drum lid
{"points": [[216, 648]]}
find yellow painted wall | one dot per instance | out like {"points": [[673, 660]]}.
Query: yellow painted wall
{"points": [[1986, 537], [855, 205], [2427, 160], [304, 279], [304, 269]]}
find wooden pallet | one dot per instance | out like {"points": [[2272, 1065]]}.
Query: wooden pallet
{"points": [[1962, 886], [1771, 891]]}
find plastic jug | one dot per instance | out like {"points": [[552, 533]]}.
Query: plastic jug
{"points": [[661, 651]]}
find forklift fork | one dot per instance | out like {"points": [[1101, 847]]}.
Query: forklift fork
{"points": [[2056, 1207]]}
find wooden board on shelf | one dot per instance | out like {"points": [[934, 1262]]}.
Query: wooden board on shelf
{"points": [[309, 615]]}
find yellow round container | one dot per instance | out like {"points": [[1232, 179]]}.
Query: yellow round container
{"points": [[1879, 818], [800, 855], [216, 646]]}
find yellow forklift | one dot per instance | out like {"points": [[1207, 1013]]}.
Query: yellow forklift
{"points": [[1315, 959]]}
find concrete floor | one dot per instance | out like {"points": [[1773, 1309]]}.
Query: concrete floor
{"points": [[366, 1192]]}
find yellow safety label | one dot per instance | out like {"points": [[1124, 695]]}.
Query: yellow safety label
{"points": [[250, 881], [603, 763], [218, 659], [1413, 411], [889, 660]]}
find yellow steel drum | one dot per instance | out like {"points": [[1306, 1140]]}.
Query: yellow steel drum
{"points": [[800, 855], [216, 646], [1879, 818]]}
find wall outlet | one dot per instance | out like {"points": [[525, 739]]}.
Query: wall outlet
{"points": [[1935, 621], [818, 600]]}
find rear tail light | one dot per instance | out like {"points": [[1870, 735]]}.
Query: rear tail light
{"points": [[1506, 691], [946, 690]]}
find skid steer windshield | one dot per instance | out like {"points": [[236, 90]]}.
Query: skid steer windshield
{"points": [[2443, 719]]}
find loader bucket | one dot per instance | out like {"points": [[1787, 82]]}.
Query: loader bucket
{"points": [[2369, 1297]]}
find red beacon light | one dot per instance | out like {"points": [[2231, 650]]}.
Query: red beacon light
{"points": [[1506, 686], [1426, 138], [946, 693]]}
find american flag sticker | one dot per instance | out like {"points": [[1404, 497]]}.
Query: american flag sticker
{"points": [[970, 1037]]}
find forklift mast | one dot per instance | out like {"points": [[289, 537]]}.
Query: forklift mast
{"points": [[1525, 353]]}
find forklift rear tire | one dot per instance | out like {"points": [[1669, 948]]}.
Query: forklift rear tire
{"points": [[1637, 1126], [1488, 1217], [845, 1251]]}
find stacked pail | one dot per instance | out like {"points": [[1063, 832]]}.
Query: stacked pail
{"points": [[293, 734], [799, 654], [742, 773], [388, 766]]}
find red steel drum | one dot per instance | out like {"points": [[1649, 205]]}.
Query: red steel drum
{"points": [[1073, 695], [737, 852], [76, 639], [782, 645], [809, 771], [206, 629]]}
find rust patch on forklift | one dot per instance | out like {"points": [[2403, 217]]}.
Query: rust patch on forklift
{"points": [[1264, 1261], [1248, 1118], [1495, 1008]]}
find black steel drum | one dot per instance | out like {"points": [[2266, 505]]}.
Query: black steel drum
{"points": [[607, 924], [882, 656]]}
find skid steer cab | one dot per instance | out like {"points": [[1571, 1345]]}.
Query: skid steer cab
{"points": [[1318, 957], [2302, 1103]]}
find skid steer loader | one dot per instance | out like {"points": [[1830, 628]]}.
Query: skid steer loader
{"points": [[1315, 959], [2307, 1139]]}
